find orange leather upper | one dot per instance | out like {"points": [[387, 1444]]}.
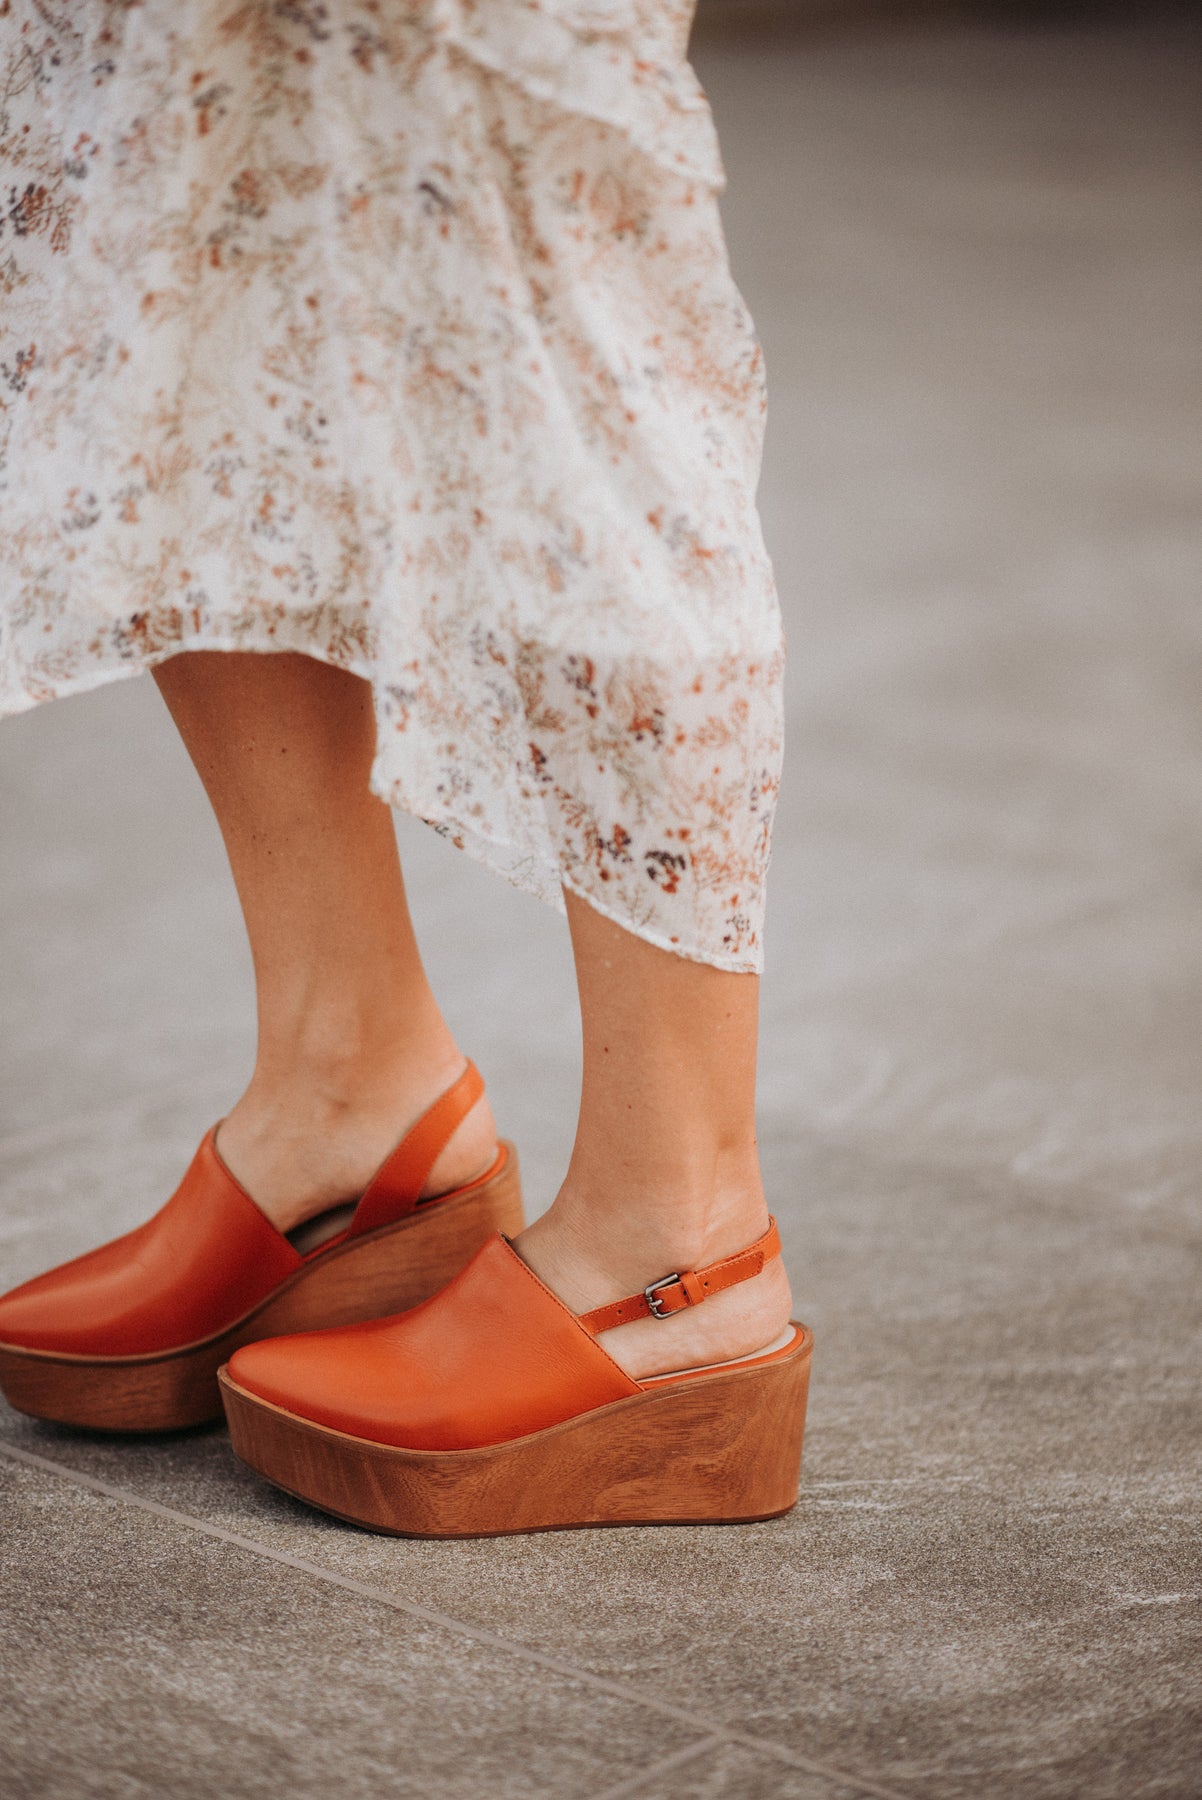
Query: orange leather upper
{"points": [[396, 1186], [201, 1262], [493, 1356], [208, 1256]]}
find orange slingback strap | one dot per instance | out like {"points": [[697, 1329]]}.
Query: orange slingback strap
{"points": [[395, 1188], [674, 1292]]}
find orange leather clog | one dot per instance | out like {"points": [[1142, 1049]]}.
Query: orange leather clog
{"points": [[491, 1408], [130, 1336]]}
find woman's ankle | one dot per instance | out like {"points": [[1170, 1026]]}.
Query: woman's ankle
{"points": [[590, 1256], [679, 1205], [306, 1138]]}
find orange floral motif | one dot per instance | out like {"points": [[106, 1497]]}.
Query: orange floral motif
{"points": [[401, 333]]}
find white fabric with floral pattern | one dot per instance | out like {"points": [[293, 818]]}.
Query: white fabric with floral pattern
{"points": [[402, 334]]}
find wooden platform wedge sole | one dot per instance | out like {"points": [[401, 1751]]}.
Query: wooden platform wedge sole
{"points": [[719, 1446], [386, 1270]]}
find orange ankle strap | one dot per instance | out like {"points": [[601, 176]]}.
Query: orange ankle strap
{"points": [[396, 1186], [675, 1292]]}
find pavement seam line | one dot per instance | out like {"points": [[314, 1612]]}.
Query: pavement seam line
{"points": [[639, 1784], [478, 1634]]}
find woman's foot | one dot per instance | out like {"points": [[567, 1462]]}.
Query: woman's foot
{"points": [[566, 1251], [494, 1408], [313, 1139], [129, 1336]]}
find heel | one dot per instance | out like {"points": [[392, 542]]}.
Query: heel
{"points": [[397, 1266], [706, 1449]]}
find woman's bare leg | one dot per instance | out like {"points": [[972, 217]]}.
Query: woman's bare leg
{"points": [[664, 1173], [352, 1045]]}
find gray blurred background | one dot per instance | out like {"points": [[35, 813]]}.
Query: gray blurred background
{"points": [[972, 240], [741, 17]]}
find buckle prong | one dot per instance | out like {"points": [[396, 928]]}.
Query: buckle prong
{"points": [[650, 1293]]}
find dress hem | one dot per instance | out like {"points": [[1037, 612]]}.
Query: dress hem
{"points": [[467, 838]]}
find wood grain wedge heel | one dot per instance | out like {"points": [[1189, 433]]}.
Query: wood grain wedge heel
{"points": [[130, 1336], [492, 1408]]}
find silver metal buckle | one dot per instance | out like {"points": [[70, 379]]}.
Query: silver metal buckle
{"points": [[649, 1294]]}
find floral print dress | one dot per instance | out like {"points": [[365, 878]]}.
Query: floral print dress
{"points": [[401, 333]]}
